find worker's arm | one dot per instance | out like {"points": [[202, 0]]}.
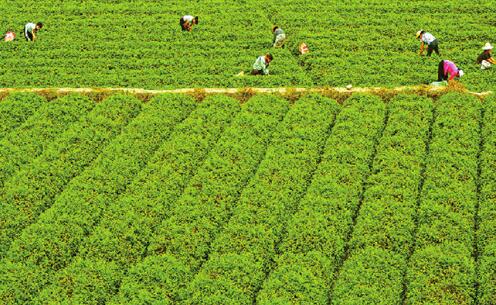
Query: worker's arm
{"points": [[34, 35], [421, 52], [265, 70]]}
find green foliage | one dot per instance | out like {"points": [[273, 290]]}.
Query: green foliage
{"points": [[122, 236], [325, 214], [157, 280], [265, 205], [370, 276], [17, 108], [140, 44], [442, 268], [211, 195], [32, 190], [29, 140], [486, 235], [51, 243], [207, 201], [384, 230], [441, 274], [299, 279], [178, 202]]}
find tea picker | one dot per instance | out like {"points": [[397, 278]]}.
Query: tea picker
{"points": [[279, 37], [186, 22], [429, 40], [485, 59], [9, 36], [447, 70], [261, 65], [31, 29]]}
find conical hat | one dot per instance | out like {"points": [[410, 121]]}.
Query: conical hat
{"points": [[488, 46]]}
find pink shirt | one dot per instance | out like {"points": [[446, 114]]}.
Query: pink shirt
{"points": [[450, 68]]}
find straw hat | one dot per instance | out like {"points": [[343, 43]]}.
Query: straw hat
{"points": [[487, 47], [418, 33]]}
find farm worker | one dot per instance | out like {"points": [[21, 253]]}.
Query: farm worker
{"points": [[430, 40], [279, 37], [186, 22], [303, 48], [9, 36], [486, 59], [261, 65], [447, 69], [31, 29]]}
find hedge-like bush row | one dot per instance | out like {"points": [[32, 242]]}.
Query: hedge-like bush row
{"points": [[243, 252], [33, 189], [51, 244], [122, 236], [384, 230], [317, 233], [207, 203], [487, 210], [16, 109], [441, 269], [29, 140]]}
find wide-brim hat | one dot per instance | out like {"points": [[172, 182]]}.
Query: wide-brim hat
{"points": [[418, 33], [487, 47]]}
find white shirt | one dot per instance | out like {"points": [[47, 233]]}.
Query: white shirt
{"points": [[428, 38], [188, 18]]}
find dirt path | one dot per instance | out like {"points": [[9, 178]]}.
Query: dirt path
{"points": [[405, 89]]}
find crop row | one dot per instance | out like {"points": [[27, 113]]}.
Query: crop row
{"points": [[156, 54], [32, 190], [182, 240], [243, 252], [126, 227], [384, 230], [17, 108], [486, 235], [29, 140], [316, 234], [442, 269], [51, 243]]}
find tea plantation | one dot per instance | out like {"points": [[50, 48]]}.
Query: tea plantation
{"points": [[139, 43], [267, 199]]}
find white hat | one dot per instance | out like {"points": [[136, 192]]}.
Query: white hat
{"points": [[418, 33], [460, 73], [488, 46]]}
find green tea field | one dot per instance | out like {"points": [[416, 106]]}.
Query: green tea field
{"points": [[139, 43], [143, 164], [264, 202]]}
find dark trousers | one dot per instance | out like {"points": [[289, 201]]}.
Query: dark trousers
{"points": [[28, 35], [182, 23], [256, 72], [434, 46], [440, 72]]}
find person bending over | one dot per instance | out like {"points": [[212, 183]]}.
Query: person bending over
{"points": [[261, 65], [186, 22], [279, 37], [429, 40], [447, 70], [31, 29]]}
